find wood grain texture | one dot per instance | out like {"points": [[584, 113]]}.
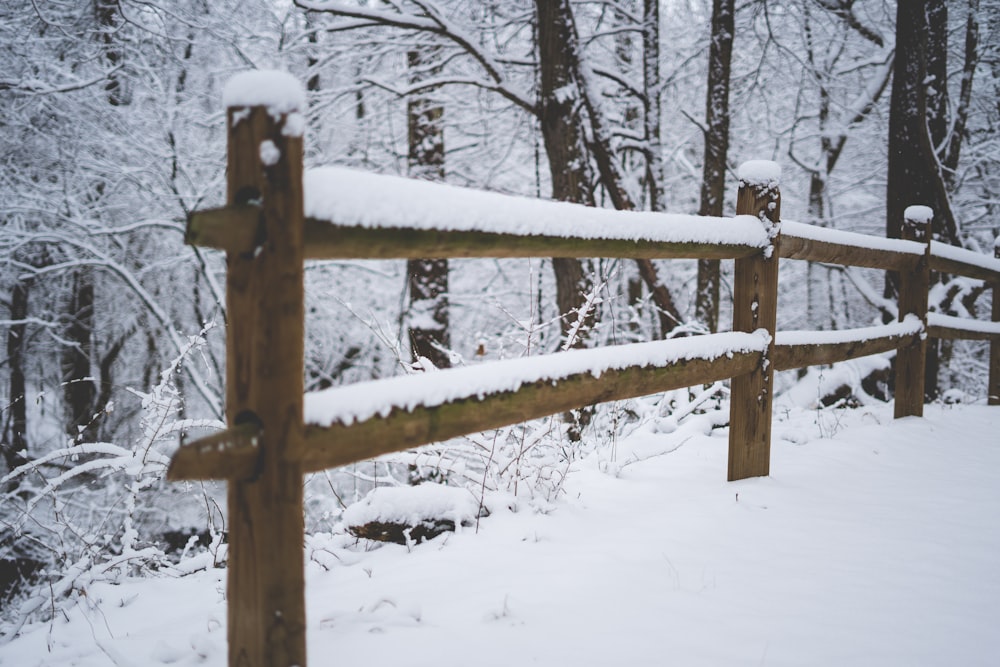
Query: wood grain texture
{"points": [[235, 229], [232, 453], [793, 247], [956, 267], [755, 306], [911, 357], [228, 454], [956, 333], [339, 445], [264, 386], [787, 357]]}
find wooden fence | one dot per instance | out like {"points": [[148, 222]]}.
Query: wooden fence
{"points": [[269, 446]]}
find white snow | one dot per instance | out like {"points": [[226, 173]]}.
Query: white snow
{"points": [[361, 401], [295, 125], [966, 323], [820, 382], [279, 91], [853, 239], [872, 543], [921, 214], [760, 172], [349, 197], [957, 254], [412, 504], [269, 153], [910, 325]]}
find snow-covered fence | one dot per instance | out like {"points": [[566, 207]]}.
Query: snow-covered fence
{"points": [[277, 216]]}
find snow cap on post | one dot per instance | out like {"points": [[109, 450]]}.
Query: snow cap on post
{"points": [[760, 173], [917, 223], [918, 214], [279, 91]]}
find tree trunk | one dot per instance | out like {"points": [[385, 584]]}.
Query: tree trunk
{"points": [[105, 13], [565, 146], [427, 279], [914, 176], [713, 182], [14, 438], [79, 392], [611, 176], [651, 82], [79, 389], [958, 128], [936, 78]]}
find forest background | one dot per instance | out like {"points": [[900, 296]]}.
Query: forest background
{"points": [[112, 132]]}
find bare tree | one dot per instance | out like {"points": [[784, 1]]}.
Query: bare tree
{"points": [[713, 182]]}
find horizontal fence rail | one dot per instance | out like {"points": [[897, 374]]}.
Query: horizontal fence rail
{"points": [[235, 230], [818, 244], [277, 217]]}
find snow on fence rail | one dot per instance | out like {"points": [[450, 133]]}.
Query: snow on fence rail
{"points": [[276, 218]]}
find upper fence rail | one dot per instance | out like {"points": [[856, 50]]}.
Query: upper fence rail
{"points": [[359, 215]]}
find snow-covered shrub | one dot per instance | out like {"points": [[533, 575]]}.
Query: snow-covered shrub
{"points": [[92, 510]]}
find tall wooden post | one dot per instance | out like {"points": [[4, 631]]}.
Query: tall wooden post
{"points": [[994, 387], [264, 368], [911, 357], [755, 306]]}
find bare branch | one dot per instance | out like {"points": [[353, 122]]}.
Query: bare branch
{"points": [[621, 81], [434, 24], [844, 9], [31, 87]]}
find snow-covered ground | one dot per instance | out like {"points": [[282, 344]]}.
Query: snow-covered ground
{"points": [[873, 542]]}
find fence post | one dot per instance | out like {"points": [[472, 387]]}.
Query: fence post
{"points": [[755, 306], [994, 387], [264, 367], [911, 356]]}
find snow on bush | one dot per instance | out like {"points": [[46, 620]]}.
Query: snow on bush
{"points": [[413, 504], [406, 514]]}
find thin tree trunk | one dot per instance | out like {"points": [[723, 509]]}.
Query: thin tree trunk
{"points": [[958, 129], [14, 436], [611, 176], [713, 181], [79, 392], [427, 279], [936, 79], [651, 82], [565, 147]]}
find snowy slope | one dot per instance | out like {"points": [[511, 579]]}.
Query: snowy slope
{"points": [[876, 546]]}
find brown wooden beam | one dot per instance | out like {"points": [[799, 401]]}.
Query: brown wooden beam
{"points": [[793, 247], [228, 454], [237, 230], [787, 357], [327, 241], [960, 268], [264, 385], [911, 357], [956, 333], [339, 444], [755, 306]]}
